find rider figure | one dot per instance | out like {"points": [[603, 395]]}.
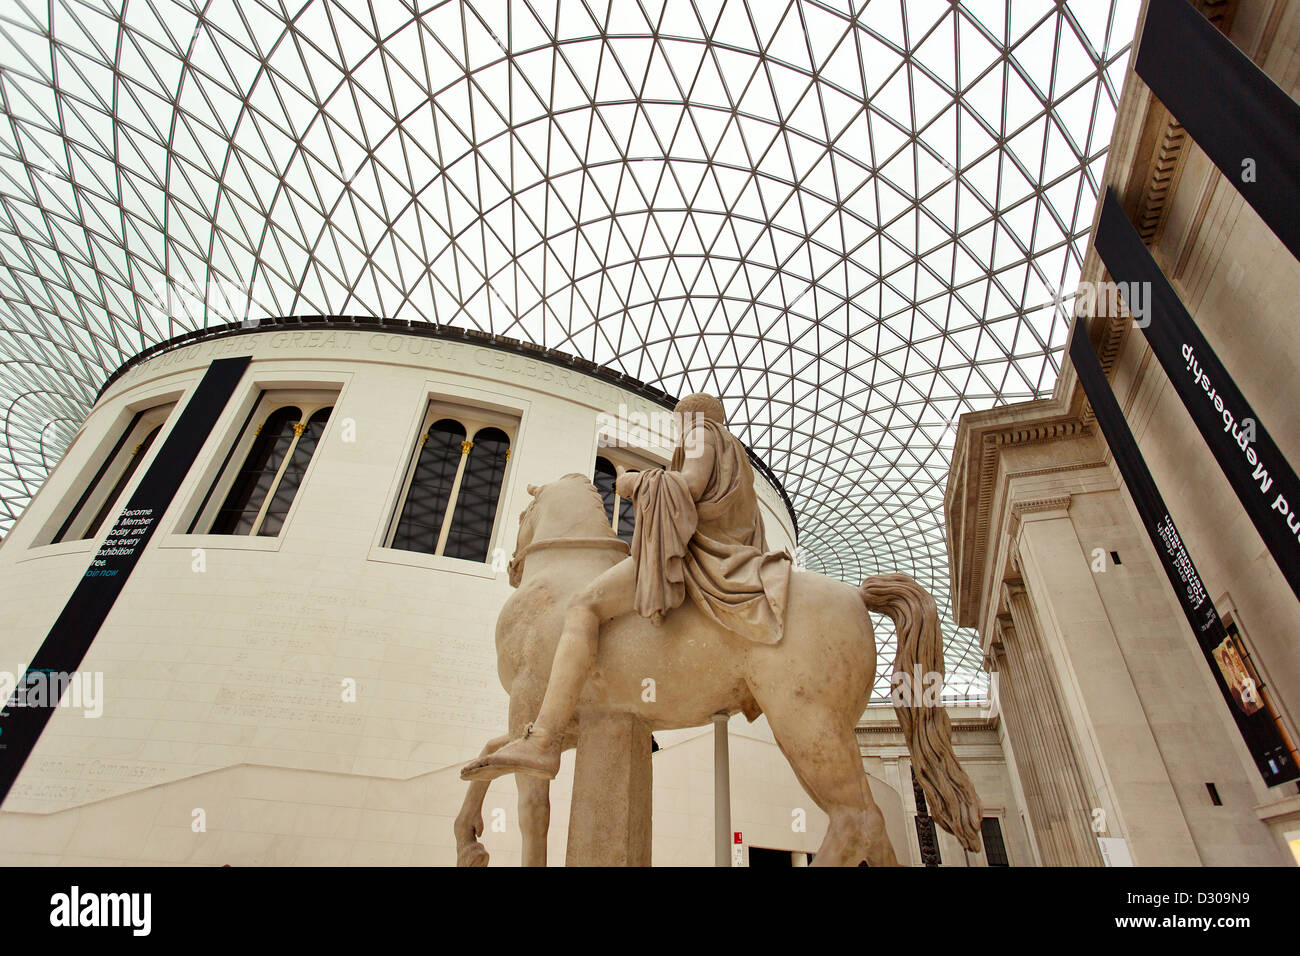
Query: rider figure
{"points": [[698, 532]]}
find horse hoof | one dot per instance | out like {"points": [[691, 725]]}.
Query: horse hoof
{"points": [[472, 854]]}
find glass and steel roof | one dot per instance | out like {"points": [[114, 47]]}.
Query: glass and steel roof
{"points": [[853, 221]]}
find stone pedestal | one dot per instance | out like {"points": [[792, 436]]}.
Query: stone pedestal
{"points": [[609, 821]]}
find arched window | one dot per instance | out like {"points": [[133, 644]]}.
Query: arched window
{"points": [[454, 490], [476, 506], [277, 508], [102, 496], [243, 503], [273, 457], [420, 525], [605, 480]]}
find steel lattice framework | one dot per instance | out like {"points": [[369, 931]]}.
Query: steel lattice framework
{"points": [[852, 221]]}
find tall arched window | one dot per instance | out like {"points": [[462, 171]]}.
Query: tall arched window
{"points": [[449, 506], [255, 495], [104, 492], [480, 489], [277, 507], [420, 526], [244, 502]]}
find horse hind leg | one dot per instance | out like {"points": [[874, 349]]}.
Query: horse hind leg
{"points": [[828, 765], [468, 825]]}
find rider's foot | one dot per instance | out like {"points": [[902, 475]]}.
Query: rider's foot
{"points": [[536, 753]]}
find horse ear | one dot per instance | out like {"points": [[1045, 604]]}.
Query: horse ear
{"points": [[533, 489]]}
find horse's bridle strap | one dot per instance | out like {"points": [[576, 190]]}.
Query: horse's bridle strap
{"points": [[574, 543]]}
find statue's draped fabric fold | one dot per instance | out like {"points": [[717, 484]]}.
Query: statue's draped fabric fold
{"points": [[665, 521], [712, 548]]}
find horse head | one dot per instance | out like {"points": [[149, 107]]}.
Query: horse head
{"points": [[569, 507]]}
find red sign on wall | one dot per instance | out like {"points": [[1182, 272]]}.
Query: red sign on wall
{"points": [[735, 837]]}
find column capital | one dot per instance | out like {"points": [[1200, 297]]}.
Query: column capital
{"points": [[1054, 506], [1011, 588]]}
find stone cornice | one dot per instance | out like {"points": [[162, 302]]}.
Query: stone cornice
{"points": [[982, 437], [1162, 149]]}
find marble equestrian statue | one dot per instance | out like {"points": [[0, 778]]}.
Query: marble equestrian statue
{"points": [[721, 625]]}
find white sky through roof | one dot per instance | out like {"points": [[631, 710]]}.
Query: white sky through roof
{"points": [[852, 222]]}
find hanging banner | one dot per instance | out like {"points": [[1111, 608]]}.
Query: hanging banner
{"points": [[1245, 123], [1261, 476], [54, 669], [1256, 722]]}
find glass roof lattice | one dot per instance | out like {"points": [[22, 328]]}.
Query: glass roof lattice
{"points": [[851, 221]]}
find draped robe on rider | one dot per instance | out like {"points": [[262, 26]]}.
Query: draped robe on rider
{"points": [[712, 548]]}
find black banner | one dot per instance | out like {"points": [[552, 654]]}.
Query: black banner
{"points": [[1259, 473], [1258, 727], [54, 667], [1247, 125]]}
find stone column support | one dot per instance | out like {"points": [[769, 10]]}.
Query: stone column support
{"points": [[609, 819], [1010, 689], [1054, 845], [1071, 806]]}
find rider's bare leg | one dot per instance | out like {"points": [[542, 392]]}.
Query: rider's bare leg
{"points": [[538, 751]]}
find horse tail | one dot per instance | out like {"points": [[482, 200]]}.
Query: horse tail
{"points": [[949, 794]]}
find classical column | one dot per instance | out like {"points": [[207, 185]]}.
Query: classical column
{"points": [[995, 663], [1022, 725], [721, 793], [1072, 807]]}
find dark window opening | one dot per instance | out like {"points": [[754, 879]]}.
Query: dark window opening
{"points": [[285, 490], [995, 850], [605, 479], [480, 490], [420, 524], [244, 501]]}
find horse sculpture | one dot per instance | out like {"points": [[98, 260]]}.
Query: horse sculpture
{"points": [[813, 685]]}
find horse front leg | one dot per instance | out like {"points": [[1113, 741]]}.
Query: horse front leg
{"points": [[534, 817], [468, 826]]}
